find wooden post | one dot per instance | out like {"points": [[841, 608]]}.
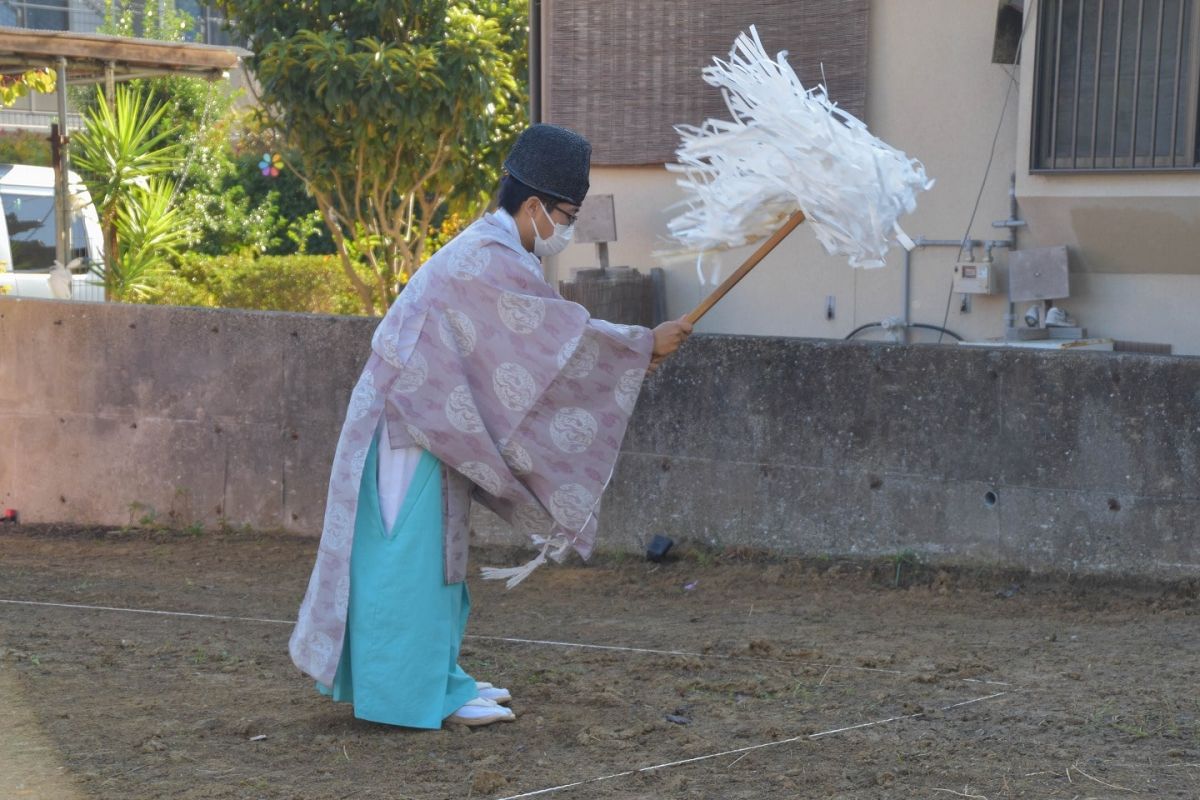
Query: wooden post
{"points": [[110, 85]]}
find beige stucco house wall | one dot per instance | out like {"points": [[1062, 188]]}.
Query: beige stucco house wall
{"points": [[934, 92]]}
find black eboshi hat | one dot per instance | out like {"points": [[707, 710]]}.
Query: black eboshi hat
{"points": [[552, 160]]}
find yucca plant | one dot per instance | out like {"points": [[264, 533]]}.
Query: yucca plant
{"points": [[120, 152], [150, 229]]}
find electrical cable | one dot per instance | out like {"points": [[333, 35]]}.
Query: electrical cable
{"points": [[1012, 81], [926, 326]]}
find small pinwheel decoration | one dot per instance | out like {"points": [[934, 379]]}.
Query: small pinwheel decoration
{"points": [[271, 164]]}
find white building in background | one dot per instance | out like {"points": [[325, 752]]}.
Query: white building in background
{"points": [[38, 111], [1096, 127]]}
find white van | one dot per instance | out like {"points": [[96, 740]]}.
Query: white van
{"points": [[27, 234]]}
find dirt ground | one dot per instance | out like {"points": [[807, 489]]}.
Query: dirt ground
{"points": [[1082, 689]]}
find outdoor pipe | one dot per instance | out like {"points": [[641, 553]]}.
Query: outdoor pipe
{"points": [[921, 241], [62, 172], [1012, 223]]}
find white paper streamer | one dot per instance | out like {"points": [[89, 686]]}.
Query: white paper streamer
{"points": [[788, 147]]}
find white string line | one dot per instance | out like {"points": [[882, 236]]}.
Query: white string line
{"points": [[146, 611], [810, 736], [511, 640], [650, 651]]}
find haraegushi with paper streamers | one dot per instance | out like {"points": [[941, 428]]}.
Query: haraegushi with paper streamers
{"points": [[788, 149]]}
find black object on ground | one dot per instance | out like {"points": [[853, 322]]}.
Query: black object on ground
{"points": [[658, 547]]}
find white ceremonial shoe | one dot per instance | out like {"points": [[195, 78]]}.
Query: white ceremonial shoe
{"points": [[494, 693], [481, 712]]}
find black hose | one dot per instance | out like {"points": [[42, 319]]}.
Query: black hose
{"points": [[937, 328]]}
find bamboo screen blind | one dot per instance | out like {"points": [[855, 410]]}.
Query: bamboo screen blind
{"points": [[624, 72]]}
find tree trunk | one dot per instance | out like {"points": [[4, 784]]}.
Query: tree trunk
{"points": [[339, 239]]}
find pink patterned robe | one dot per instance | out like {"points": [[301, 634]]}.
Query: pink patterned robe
{"points": [[514, 389]]}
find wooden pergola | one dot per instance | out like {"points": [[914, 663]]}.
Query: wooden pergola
{"points": [[89, 58]]}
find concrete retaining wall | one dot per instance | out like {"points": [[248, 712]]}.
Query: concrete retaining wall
{"points": [[1079, 461], [113, 413], [1075, 461]]}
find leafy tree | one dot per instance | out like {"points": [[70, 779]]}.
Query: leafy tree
{"points": [[14, 87], [398, 112]]}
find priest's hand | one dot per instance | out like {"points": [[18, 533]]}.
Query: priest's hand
{"points": [[668, 337]]}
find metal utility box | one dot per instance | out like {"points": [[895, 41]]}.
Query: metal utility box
{"points": [[1038, 274], [974, 277]]}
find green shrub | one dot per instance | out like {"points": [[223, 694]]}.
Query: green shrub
{"points": [[24, 147], [237, 209], [314, 284]]}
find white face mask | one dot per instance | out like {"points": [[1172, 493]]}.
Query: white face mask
{"points": [[557, 242]]}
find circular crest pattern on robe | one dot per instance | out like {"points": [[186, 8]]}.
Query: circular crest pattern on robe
{"points": [[418, 436], [627, 390], [471, 264], [461, 410], [572, 505], [482, 476], [573, 429], [412, 375], [521, 313], [514, 386], [577, 358], [458, 332]]}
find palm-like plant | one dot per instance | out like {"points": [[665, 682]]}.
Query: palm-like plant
{"points": [[150, 229], [120, 150]]}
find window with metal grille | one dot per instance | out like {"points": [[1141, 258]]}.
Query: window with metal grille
{"points": [[1117, 85]]}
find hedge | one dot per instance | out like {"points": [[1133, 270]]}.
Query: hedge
{"points": [[307, 283]]}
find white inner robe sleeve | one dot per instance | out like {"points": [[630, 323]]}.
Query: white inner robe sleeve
{"points": [[396, 467]]}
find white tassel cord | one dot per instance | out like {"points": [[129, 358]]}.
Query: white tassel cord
{"points": [[514, 575], [556, 546], [788, 147]]}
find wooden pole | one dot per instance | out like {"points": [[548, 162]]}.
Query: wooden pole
{"points": [[749, 264]]}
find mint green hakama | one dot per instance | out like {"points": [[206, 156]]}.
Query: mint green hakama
{"points": [[405, 625]]}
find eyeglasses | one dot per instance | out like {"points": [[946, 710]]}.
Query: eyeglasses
{"points": [[571, 218]]}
